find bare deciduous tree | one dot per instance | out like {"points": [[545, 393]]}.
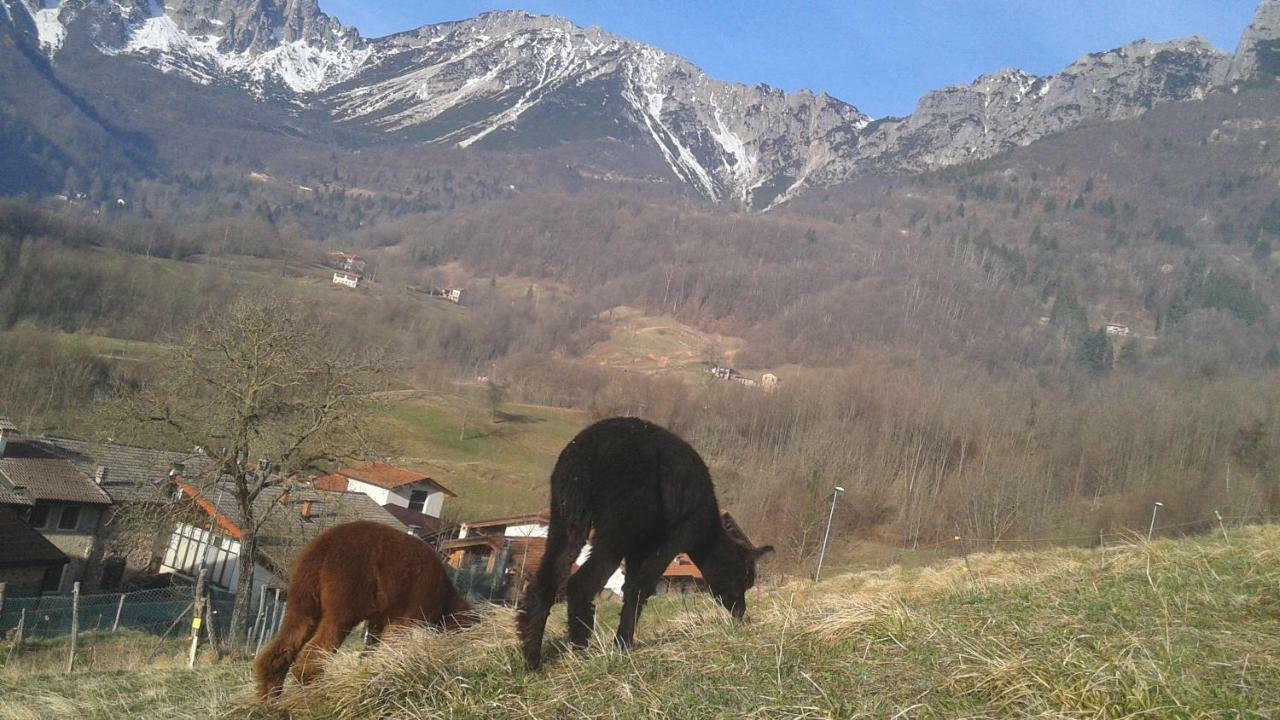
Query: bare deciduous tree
{"points": [[258, 380]]}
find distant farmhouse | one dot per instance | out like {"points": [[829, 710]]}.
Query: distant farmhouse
{"points": [[1117, 329], [769, 381], [348, 269]]}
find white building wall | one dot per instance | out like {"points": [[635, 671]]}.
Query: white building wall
{"points": [[435, 505], [380, 495], [188, 543], [533, 530]]}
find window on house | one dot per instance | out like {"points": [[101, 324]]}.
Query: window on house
{"points": [[38, 517], [418, 500], [70, 518]]}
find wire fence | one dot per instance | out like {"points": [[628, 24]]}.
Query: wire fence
{"points": [[145, 611], [178, 612]]}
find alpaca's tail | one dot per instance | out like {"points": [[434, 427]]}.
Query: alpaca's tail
{"points": [[273, 663]]}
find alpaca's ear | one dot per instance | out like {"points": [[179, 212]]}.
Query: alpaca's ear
{"points": [[762, 551]]}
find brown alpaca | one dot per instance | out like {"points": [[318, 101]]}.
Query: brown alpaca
{"points": [[353, 572]]}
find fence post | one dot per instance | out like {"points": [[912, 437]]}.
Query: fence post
{"points": [[115, 624], [3, 587], [197, 615], [1223, 526], [22, 625], [964, 550], [75, 624], [280, 617]]}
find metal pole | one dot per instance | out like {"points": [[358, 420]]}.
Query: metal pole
{"points": [[1154, 509], [119, 607], [75, 624], [822, 554]]}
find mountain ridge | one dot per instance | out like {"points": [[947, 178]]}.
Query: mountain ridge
{"points": [[512, 79]]}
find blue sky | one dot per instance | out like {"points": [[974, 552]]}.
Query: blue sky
{"points": [[880, 55]]}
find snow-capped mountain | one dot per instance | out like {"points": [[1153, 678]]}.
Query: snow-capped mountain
{"points": [[514, 80]]}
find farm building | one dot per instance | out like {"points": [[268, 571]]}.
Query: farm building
{"points": [[346, 277]]}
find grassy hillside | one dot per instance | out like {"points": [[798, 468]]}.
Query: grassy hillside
{"points": [[1185, 628], [497, 468]]}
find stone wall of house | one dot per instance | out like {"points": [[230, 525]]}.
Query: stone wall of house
{"points": [[22, 581], [122, 538]]}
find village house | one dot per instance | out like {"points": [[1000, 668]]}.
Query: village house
{"points": [[344, 277], [290, 518], [140, 483], [65, 505], [412, 497], [1117, 329], [30, 564]]}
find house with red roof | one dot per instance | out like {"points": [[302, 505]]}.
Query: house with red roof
{"points": [[412, 496]]}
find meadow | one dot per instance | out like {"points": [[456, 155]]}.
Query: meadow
{"points": [[1173, 628]]}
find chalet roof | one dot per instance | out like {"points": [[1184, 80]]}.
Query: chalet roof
{"points": [[391, 477], [23, 545], [133, 474], [285, 531], [46, 476]]}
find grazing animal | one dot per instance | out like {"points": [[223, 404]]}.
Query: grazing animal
{"points": [[648, 496], [349, 573]]}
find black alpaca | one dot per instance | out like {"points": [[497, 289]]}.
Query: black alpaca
{"points": [[649, 497]]}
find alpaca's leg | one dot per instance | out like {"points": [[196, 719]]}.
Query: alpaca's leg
{"points": [[584, 585], [531, 614], [273, 663], [328, 638], [642, 575]]}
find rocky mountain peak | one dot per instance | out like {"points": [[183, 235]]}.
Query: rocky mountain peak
{"points": [[257, 25], [1258, 54]]}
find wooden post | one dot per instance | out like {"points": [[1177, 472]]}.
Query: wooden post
{"points": [[75, 624], [22, 625], [3, 586], [1223, 526], [280, 617], [197, 616], [115, 624], [964, 549]]}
